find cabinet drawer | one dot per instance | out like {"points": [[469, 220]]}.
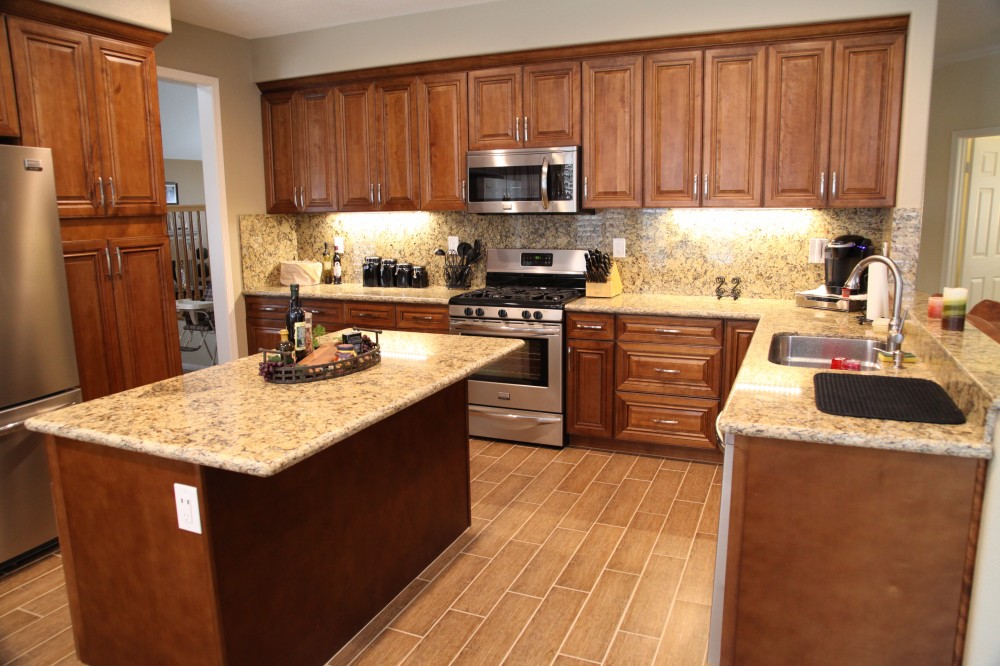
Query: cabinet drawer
{"points": [[422, 318], [370, 315], [669, 369], [666, 420], [584, 326], [266, 308], [673, 330], [324, 311]]}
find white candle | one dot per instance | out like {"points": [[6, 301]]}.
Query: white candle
{"points": [[953, 316]]}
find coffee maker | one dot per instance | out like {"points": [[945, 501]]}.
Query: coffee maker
{"points": [[842, 254]]}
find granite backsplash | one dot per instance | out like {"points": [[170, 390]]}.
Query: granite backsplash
{"points": [[674, 251]]}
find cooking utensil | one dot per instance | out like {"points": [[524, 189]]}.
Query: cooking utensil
{"points": [[463, 251]]}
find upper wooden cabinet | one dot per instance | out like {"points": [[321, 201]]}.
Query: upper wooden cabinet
{"points": [[299, 155], [377, 145], [612, 132], [8, 103], [93, 101], [525, 107], [442, 101]]}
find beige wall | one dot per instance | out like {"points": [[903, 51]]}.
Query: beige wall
{"points": [[153, 14], [189, 178], [965, 96]]}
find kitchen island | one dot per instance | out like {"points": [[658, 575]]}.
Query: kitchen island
{"points": [[314, 504]]}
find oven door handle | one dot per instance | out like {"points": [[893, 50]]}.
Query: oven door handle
{"points": [[516, 417], [502, 331]]}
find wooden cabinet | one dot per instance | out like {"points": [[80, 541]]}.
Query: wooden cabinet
{"points": [[377, 145], [739, 333], [590, 369], [93, 101], [370, 315], [427, 318], [612, 132], [442, 101], [124, 321], [9, 125], [299, 156], [525, 107]]}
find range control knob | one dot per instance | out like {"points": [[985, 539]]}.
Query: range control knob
{"points": [[480, 312], [525, 314], [502, 314], [538, 314], [468, 312]]}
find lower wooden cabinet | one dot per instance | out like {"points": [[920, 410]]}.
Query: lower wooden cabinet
{"points": [[590, 371], [370, 315], [738, 334], [673, 420], [9, 125], [124, 318], [427, 318]]}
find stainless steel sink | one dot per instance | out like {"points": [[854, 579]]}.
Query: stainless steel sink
{"points": [[814, 351]]}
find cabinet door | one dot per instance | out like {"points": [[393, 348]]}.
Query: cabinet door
{"points": [[315, 156], [495, 108], [279, 152], [797, 155], [144, 308], [612, 132], [8, 102], [867, 99], [738, 337], [263, 334], [734, 126], [128, 113], [54, 91], [590, 370], [551, 105], [672, 160], [396, 187], [95, 324], [441, 107], [370, 315], [355, 126]]}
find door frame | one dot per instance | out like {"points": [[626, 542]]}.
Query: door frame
{"points": [[222, 252], [958, 199]]}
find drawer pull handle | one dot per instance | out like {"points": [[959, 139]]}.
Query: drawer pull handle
{"points": [[590, 327], [426, 317], [666, 421], [268, 308], [316, 311], [667, 371], [667, 330]]}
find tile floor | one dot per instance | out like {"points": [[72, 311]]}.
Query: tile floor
{"points": [[574, 557]]}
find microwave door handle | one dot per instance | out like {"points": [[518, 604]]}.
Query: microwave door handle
{"points": [[545, 183]]}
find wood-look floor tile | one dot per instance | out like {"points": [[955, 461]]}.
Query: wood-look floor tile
{"points": [[445, 640], [390, 647], [480, 489], [585, 471], [678, 532], [590, 505], [484, 592], [585, 566], [548, 563], [662, 492], [476, 445], [479, 464], [710, 516], [30, 590], [617, 468], [548, 628], [699, 574], [28, 572], [547, 480], [499, 532], [496, 449], [16, 620], [563, 660], [685, 638], [622, 505], [437, 597], [631, 649], [571, 455], [696, 482], [645, 468], [497, 499], [537, 462], [544, 521], [654, 596], [637, 543], [54, 649], [717, 479], [69, 660], [597, 624], [501, 629], [452, 551], [47, 602], [34, 634], [675, 465], [506, 464], [380, 622]]}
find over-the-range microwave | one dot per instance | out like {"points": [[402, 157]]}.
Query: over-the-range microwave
{"points": [[524, 180]]}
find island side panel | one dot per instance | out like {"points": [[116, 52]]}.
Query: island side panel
{"points": [[139, 588], [304, 559]]}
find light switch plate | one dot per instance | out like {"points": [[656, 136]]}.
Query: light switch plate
{"points": [[188, 514], [452, 243], [618, 248], [338, 243]]}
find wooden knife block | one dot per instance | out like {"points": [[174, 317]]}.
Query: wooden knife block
{"points": [[608, 289]]}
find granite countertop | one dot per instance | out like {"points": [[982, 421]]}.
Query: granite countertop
{"points": [[769, 400], [228, 417], [357, 292]]}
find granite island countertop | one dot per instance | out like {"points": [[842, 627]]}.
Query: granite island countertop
{"points": [[770, 400], [228, 417], [357, 292]]}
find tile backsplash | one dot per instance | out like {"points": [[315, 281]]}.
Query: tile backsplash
{"points": [[677, 251]]}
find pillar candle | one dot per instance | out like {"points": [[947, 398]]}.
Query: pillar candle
{"points": [[934, 306], [953, 314]]}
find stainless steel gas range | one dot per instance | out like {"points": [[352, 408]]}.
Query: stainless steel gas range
{"points": [[520, 398]]}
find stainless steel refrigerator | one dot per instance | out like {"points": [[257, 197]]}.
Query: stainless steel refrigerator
{"points": [[36, 344]]}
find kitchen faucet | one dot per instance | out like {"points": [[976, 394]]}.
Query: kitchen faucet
{"points": [[895, 337]]}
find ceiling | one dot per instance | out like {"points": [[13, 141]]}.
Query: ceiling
{"points": [[965, 27]]}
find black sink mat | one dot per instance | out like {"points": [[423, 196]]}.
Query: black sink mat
{"points": [[887, 398]]}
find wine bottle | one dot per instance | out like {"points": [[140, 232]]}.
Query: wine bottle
{"points": [[327, 265], [286, 347], [295, 312], [337, 270]]}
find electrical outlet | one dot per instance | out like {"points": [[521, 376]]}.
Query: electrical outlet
{"points": [[338, 243], [188, 515], [618, 248], [452, 243]]}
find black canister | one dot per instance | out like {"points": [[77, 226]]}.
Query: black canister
{"points": [[370, 271], [419, 276], [404, 274], [388, 274]]}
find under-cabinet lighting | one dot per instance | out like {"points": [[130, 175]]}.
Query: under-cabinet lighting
{"points": [[721, 224], [401, 223]]}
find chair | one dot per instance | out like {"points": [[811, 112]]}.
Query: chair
{"points": [[985, 316]]}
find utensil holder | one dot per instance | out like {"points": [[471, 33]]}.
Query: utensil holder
{"points": [[609, 289], [457, 277]]}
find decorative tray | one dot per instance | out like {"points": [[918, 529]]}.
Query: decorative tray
{"points": [[289, 372]]}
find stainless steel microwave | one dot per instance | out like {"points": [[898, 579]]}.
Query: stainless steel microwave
{"points": [[524, 180]]}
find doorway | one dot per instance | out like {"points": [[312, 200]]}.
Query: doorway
{"points": [[972, 257], [213, 228]]}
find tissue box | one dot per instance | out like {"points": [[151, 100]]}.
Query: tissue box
{"points": [[301, 272]]}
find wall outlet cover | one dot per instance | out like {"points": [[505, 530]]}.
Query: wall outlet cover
{"points": [[188, 513], [618, 248], [452, 243]]}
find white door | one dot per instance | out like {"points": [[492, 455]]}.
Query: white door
{"points": [[981, 257]]}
